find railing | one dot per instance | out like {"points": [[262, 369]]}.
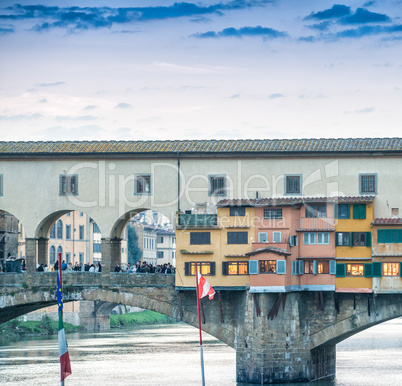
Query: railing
{"points": [[197, 220], [321, 223]]}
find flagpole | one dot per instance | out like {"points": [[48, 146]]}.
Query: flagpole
{"points": [[61, 289], [199, 324]]}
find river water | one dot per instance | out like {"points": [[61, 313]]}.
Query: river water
{"points": [[169, 355]]}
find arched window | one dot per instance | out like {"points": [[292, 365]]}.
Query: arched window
{"points": [[52, 234], [59, 250], [52, 255], [59, 229]]}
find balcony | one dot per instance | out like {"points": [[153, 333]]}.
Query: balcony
{"points": [[317, 224], [197, 221]]}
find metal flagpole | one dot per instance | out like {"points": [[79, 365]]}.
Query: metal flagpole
{"points": [[61, 289], [199, 324]]}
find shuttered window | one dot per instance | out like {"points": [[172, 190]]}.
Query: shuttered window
{"points": [[342, 211], [359, 211], [205, 268], [253, 267], [389, 236], [68, 185], [142, 184], [200, 238], [237, 238], [281, 267], [235, 268], [340, 270]]}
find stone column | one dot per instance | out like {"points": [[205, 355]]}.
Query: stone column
{"points": [[278, 350], [31, 253], [43, 250], [116, 252], [106, 257]]}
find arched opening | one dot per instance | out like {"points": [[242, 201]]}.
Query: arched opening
{"points": [[147, 243], [12, 244], [74, 235]]}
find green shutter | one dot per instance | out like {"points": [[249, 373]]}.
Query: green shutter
{"points": [[351, 239], [336, 239], [340, 270], [368, 239], [336, 210], [359, 211], [212, 268], [380, 236], [368, 270], [377, 269], [388, 236], [348, 211], [187, 269], [400, 269], [225, 268], [363, 211]]}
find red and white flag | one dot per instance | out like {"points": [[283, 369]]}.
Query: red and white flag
{"points": [[204, 288]]}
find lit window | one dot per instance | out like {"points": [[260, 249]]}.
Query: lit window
{"points": [[390, 269], [323, 267], [235, 268], [354, 270], [267, 266], [205, 268]]}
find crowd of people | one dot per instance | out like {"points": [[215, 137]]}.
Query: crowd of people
{"points": [[140, 267], [145, 268]]}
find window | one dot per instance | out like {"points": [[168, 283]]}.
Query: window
{"points": [[359, 239], [205, 268], [322, 238], [68, 232], [308, 238], [389, 236], [1, 185], [276, 237], [96, 228], [343, 239], [368, 183], [308, 267], [262, 237], [81, 257], [354, 270], [235, 268], [217, 185], [238, 211], [142, 184], [237, 238], [97, 247], [390, 269], [395, 212], [267, 266], [199, 238], [272, 213], [316, 211], [359, 211], [59, 229], [293, 241], [342, 211], [68, 214], [81, 230], [323, 267], [68, 185], [160, 254], [160, 241], [68, 257], [52, 233], [81, 214], [59, 252], [292, 184], [52, 255]]}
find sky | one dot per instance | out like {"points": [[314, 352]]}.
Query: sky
{"points": [[211, 69]]}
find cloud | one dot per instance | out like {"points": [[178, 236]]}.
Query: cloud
{"points": [[83, 18], [80, 118], [362, 16], [277, 95], [367, 31], [90, 107], [244, 31], [4, 30], [123, 106], [235, 96], [335, 12], [50, 84], [362, 111], [20, 117], [321, 26]]}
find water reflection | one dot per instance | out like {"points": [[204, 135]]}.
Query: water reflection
{"points": [[169, 355]]}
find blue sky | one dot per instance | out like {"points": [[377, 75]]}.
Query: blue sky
{"points": [[136, 70]]}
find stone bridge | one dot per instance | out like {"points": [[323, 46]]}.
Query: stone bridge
{"points": [[277, 337]]}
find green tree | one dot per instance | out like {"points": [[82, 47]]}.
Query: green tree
{"points": [[134, 250]]}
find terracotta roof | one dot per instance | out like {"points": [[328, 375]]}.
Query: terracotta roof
{"points": [[387, 221], [279, 251], [321, 145], [288, 201]]}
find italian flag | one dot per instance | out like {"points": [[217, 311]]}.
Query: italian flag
{"points": [[65, 367]]}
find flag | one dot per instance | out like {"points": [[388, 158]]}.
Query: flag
{"points": [[65, 367], [204, 288]]}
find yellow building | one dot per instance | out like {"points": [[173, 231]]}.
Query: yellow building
{"points": [[218, 243], [353, 244]]}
